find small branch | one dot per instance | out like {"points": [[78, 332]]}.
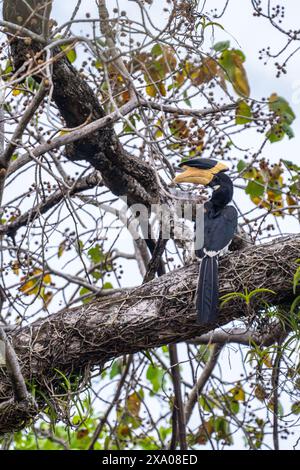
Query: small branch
{"points": [[155, 261], [12, 363], [181, 426], [75, 135], [275, 385], [13, 367], [93, 127], [201, 382], [141, 249], [27, 116], [21, 30], [113, 53], [43, 434], [90, 181], [240, 336], [178, 421], [173, 441], [200, 113], [103, 420]]}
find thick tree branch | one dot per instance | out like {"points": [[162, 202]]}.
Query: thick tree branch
{"points": [[159, 312], [122, 173], [95, 142]]}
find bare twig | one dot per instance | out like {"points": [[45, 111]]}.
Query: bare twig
{"points": [[27, 116], [246, 337], [199, 113], [90, 181], [114, 401], [178, 397], [74, 135], [155, 261], [202, 380], [12, 363]]}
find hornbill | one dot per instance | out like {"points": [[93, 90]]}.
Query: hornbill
{"points": [[220, 223]]}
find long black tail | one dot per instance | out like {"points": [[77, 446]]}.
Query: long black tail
{"points": [[208, 290]]}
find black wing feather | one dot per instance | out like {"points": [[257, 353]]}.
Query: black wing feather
{"points": [[208, 290], [218, 233]]}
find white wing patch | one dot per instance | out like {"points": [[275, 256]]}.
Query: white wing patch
{"points": [[212, 253]]}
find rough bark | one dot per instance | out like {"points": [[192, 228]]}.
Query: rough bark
{"points": [[159, 312], [123, 174]]}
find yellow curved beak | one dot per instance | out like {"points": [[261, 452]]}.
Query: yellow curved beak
{"points": [[198, 176]]}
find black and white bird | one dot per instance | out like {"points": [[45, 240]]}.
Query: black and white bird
{"points": [[220, 224]]}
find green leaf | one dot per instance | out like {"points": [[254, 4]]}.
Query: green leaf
{"points": [[148, 356], [156, 50], [288, 130], [61, 249], [241, 166], [232, 62], [151, 90], [295, 304], [6, 71], [127, 128], [98, 64], [96, 254], [78, 246], [254, 189], [221, 46], [155, 376], [240, 53], [213, 23], [222, 428], [206, 403], [72, 56], [291, 166], [281, 107], [186, 99], [234, 407], [238, 393], [296, 408], [97, 274], [260, 290], [296, 279], [275, 134], [243, 113], [107, 285], [203, 353], [231, 296], [32, 83], [164, 432], [83, 291], [116, 369]]}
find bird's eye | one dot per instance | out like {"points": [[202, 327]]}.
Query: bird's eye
{"points": [[217, 186]]}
